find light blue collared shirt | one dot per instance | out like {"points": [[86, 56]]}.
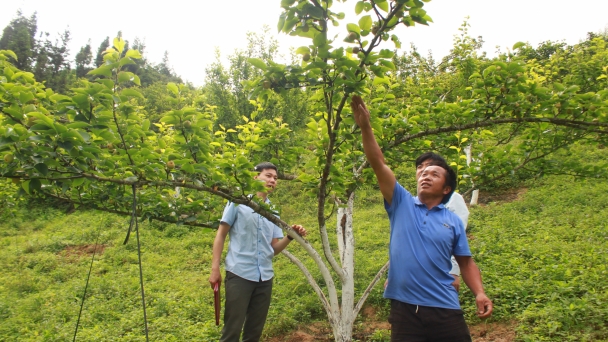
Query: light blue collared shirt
{"points": [[250, 251]]}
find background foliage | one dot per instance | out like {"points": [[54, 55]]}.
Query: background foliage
{"points": [[88, 138], [543, 258]]}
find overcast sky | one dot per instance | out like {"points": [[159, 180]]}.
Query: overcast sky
{"points": [[191, 30]]}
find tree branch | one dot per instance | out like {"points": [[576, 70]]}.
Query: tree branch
{"points": [[312, 282], [487, 123], [369, 288]]}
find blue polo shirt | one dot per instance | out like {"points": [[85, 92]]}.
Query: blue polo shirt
{"points": [[250, 251], [422, 243]]}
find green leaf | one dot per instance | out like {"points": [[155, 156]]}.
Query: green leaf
{"points": [[42, 168], [388, 64], [145, 125], [289, 24], [353, 28], [359, 7], [302, 50], [81, 100], [281, 23], [125, 61], [42, 119], [258, 63], [365, 23], [8, 73], [35, 185], [60, 128], [287, 3], [133, 54], [187, 167], [383, 4], [77, 182], [119, 44], [315, 12], [380, 80], [26, 186], [172, 87], [320, 39], [518, 45], [26, 97], [106, 82], [130, 92], [104, 70], [78, 124], [85, 136], [169, 119], [10, 53], [125, 76]]}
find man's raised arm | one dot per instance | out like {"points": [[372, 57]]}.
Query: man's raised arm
{"points": [[385, 176]]}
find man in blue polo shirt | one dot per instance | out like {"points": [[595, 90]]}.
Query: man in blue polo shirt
{"points": [[424, 236], [254, 241]]}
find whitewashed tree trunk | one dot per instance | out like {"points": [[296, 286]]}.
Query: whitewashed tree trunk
{"points": [[475, 194], [341, 315], [474, 197]]}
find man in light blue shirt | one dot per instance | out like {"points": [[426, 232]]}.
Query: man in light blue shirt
{"points": [[254, 241]]}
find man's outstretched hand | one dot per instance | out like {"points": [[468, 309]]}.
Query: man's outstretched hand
{"points": [[299, 229], [360, 111]]}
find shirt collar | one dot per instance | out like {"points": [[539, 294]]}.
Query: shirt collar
{"points": [[267, 201], [417, 202]]}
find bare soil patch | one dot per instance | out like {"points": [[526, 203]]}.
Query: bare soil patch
{"points": [[321, 331], [493, 332], [82, 250], [318, 331], [508, 195]]}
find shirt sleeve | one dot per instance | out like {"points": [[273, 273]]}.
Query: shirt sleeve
{"points": [[399, 193], [277, 232], [229, 215], [461, 245]]}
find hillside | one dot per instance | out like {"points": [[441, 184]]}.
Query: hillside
{"points": [[543, 256]]}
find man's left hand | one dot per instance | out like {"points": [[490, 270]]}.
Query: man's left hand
{"points": [[456, 282], [299, 229], [484, 305]]}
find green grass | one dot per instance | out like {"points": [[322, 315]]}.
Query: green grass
{"points": [[543, 259]]}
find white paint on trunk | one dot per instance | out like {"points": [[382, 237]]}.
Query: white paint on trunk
{"points": [[474, 197]]}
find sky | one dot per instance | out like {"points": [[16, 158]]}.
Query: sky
{"points": [[192, 30]]}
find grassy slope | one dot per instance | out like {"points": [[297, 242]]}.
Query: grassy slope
{"points": [[543, 258]]}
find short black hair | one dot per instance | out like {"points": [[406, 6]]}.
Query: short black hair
{"points": [[438, 160], [265, 166], [429, 155]]}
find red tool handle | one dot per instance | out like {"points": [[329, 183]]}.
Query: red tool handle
{"points": [[216, 300]]}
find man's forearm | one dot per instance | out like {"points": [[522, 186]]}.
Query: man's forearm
{"points": [[218, 248], [280, 245], [372, 150], [472, 277]]}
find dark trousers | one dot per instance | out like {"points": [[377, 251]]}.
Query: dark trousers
{"points": [[247, 304], [426, 324]]}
